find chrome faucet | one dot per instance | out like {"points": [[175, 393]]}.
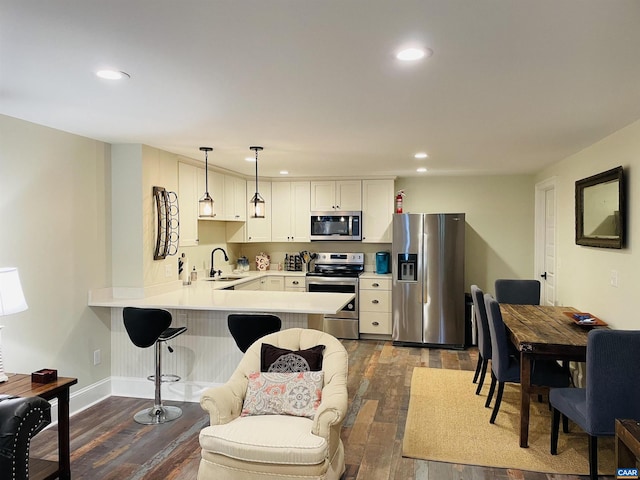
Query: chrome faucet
{"points": [[212, 273]]}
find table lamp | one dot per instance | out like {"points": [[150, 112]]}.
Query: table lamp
{"points": [[11, 301]]}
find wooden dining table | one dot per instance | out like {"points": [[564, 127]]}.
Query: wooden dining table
{"points": [[542, 332]]}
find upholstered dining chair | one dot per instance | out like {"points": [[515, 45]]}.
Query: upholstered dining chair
{"points": [[505, 367], [247, 328], [518, 292], [612, 390], [484, 339], [251, 437]]}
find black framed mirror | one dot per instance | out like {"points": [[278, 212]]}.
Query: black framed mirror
{"points": [[600, 210]]}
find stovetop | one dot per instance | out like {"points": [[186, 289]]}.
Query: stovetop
{"points": [[338, 265]]}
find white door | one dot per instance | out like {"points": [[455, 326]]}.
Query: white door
{"points": [[545, 249]]}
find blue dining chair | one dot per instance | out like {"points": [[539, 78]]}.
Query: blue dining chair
{"points": [[518, 292], [612, 391], [505, 366], [484, 339]]}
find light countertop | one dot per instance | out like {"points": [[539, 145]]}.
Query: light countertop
{"points": [[210, 295]]}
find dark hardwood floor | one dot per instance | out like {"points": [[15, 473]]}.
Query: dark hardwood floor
{"points": [[107, 444]]}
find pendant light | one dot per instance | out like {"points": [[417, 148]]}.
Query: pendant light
{"points": [[205, 205], [257, 202]]}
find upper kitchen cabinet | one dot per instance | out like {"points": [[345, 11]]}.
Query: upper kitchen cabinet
{"points": [[377, 211], [254, 229], [259, 229], [290, 211], [188, 196], [235, 193], [336, 195]]}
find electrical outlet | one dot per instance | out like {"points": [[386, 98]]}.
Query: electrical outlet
{"points": [[168, 271], [97, 357], [614, 278]]}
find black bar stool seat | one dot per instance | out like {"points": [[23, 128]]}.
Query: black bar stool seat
{"points": [[146, 327]]}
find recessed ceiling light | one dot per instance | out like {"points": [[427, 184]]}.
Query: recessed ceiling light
{"points": [[421, 170], [112, 74], [412, 54], [421, 155], [284, 172]]}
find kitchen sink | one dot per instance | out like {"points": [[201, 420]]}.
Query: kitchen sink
{"points": [[223, 279]]}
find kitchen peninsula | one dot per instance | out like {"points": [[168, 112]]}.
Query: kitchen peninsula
{"points": [[206, 354]]}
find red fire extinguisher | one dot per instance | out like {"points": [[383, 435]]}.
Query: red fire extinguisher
{"points": [[399, 198]]}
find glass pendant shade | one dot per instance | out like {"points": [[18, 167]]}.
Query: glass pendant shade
{"points": [[205, 204], [257, 205]]}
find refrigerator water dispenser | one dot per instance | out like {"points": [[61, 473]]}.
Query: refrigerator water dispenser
{"points": [[407, 267]]}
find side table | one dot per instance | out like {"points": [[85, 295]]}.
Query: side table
{"points": [[21, 385], [627, 443]]}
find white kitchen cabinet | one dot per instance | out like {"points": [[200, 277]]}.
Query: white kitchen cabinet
{"points": [[250, 285], [290, 208], [258, 229], [294, 284], [272, 283], [375, 306], [254, 229], [216, 190], [377, 211], [188, 189], [235, 193], [336, 195]]}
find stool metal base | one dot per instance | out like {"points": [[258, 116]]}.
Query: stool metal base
{"points": [[157, 414]]}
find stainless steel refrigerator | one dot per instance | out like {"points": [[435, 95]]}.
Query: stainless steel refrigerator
{"points": [[428, 300]]}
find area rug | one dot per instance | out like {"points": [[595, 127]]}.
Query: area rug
{"points": [[447, 422]]}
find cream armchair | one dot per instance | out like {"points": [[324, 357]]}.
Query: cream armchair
{"points": [[276, 446]]}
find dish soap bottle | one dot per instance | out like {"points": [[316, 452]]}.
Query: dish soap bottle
{"points": [[194, 275], [183, 269]]}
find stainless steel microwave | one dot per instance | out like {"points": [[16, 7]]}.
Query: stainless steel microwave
{"points": [[336, 225]]}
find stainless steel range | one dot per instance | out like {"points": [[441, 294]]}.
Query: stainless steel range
{"points": [[338, 273]]}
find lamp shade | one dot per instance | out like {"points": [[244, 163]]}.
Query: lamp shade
{"points": [[11, 296]]}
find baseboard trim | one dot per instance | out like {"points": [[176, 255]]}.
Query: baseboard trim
{"points": [[129, 387], [182, 391]]}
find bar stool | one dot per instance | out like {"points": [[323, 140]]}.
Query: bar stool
{"points": [[146, 327], [247, 328]]}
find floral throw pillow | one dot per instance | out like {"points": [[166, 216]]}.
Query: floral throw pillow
{"points": [[293, 393]]}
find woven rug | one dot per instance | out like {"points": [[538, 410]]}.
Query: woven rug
{"points": [[447, 422]]}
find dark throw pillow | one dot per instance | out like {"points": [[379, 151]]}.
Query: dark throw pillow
{"points": [[276, 359]]}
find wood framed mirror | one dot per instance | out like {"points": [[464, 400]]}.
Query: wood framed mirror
{"points": [[600, 210]]}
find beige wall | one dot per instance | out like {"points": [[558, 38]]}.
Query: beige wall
{"points": [[54, 211], [584, 273], [499, 212]]}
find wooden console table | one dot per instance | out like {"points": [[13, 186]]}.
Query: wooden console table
{"points": [[20, 385], [627, 443]]}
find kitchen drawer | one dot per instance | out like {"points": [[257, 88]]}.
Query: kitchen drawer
{"points": [[294, 284], [375, 322], [375, 284], [375, 301]]}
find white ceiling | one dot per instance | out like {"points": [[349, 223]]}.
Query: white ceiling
{"points": [[512, 85]]}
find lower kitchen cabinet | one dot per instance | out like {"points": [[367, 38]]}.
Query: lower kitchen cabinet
{"points": [[375, 306], [272, 283], [294, 284]]}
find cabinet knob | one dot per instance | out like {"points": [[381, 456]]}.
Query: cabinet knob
{"points": [[375, 302], [375, 324], [375, 284]]}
